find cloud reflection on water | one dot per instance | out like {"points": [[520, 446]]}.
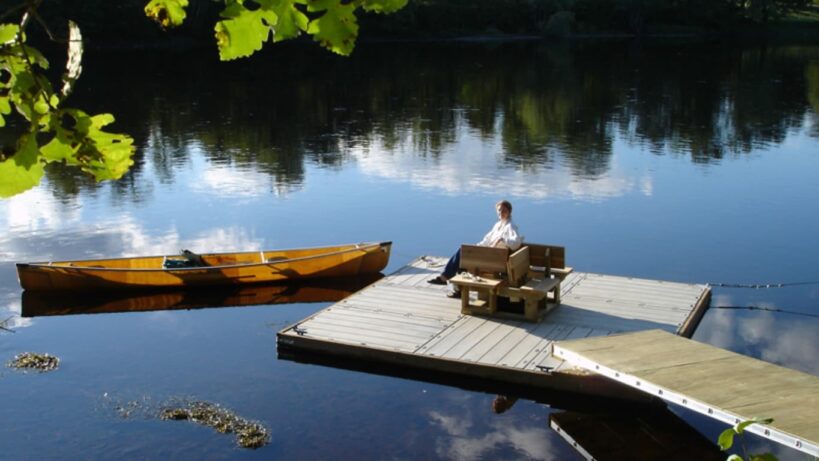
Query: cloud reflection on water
{"points": [[784, 339], [37, 233], [477, 166], [241, 182], [11, 314], [474, 432], [37, 209]]}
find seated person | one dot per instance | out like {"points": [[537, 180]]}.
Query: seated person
{"points": [[504, 234]]}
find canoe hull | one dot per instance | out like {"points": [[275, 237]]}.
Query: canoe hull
{"points": [[221, 269]]}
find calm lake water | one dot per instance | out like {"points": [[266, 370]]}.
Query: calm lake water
{"points": [[690, 162]]}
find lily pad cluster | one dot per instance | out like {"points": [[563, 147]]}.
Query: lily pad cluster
{"points": [[35, 361], [248, 434]]}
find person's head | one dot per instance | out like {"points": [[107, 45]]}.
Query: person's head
{"points": [[504, 209]]}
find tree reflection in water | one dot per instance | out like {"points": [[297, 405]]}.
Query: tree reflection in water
{"points": [[542, 103]]}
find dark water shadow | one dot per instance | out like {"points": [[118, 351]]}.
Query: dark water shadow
{"points": [[597, 427], [552, 397], [655, 434]]}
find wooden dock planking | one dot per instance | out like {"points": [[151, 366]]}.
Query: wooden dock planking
{"points": [[721, 384], [401, 319]]}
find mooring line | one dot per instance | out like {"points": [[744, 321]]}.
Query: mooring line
{"points": [[757, 286], [767, 309]]}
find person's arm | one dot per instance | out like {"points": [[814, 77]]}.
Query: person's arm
{"points": [[491, 237], [511, 237]]}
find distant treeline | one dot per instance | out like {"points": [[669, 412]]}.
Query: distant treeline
{"points": [[580, 17], [122, 23]]}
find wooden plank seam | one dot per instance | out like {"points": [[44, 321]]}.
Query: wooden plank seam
{"points": [[765, 431]]}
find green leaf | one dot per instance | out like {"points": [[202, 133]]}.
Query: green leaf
{"points": [[105, 155], [291, 22], [36, 57], [734, 458], [62, 148], [243, 32], [764, 457], [383, 6], [8, 33], [168, 13], [726, 439], [28, 94], [740, 427], [23, 170], [41, 106], [79, 140], [5, 109], [337, 28]]}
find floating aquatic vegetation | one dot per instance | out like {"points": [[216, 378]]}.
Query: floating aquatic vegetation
{"points": [[35, 361], [248, 434]]}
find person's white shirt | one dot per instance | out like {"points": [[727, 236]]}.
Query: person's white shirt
{"points": [[505, 233]]}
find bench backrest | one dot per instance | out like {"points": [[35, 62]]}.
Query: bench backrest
{"points": [[517, 267], [477, 259], [556, 258]]}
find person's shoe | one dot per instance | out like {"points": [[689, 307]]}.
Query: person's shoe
{"points": [[437, 281], [453, 293]]}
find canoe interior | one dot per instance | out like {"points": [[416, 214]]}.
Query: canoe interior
{"points": [[210, 259]]}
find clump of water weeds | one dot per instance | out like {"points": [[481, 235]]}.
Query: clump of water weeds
{"points": [[35, 361], [248, 434]]}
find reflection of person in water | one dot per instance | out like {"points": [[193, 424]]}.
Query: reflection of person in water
{"points": [[503, 403]]}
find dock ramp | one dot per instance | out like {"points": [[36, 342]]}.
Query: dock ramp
{"points": [[718, 383]]}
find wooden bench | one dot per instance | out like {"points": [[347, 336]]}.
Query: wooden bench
{"points": [[523, 275], [548, 260], [533, 291], [484, 268]]}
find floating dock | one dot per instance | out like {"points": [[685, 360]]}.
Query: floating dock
{"points": [[402, 320], [718, 383]]}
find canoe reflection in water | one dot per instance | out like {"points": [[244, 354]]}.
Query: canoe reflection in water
{"points": [[38, 304]]}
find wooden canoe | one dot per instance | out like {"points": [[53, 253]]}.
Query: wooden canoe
{"points": [[217, 269]]}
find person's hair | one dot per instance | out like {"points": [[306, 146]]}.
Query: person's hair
{"points": [[505, 204]]}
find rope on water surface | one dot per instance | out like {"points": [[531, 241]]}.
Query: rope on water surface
{"points": [[767, 309], [758, 286]]}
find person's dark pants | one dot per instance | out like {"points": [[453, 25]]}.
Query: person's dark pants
{"points": [[452, 265]]}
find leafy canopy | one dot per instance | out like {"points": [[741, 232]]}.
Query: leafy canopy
{"points": [[54, 133], [51, 131]]}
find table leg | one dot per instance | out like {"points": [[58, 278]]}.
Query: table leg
{"points": [[493, 303], [530, 308], [465, 301]]}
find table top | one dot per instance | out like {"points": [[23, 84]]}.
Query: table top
{"points": [[468, 280]]}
